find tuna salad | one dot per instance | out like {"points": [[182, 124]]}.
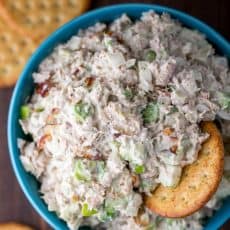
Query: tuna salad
{"points": [[115, 113]]}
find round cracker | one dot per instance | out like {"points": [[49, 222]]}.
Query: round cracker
{"points": [[37, 19], [199, 180], [14, 226], [15, 50]]}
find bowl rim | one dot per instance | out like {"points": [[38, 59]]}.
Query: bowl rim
{"points": [[216, 38]]}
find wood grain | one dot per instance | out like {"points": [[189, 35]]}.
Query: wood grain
{"points": [[13, 204]]}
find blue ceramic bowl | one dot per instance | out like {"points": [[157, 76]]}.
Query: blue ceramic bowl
{"points": [[24, 88]]}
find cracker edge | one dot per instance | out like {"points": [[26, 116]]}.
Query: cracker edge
{"points": [[14, 225], [5, 14]]}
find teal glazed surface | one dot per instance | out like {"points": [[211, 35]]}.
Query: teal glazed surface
{"points": [[24, 88]]}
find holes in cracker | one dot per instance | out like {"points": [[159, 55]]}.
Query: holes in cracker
{"points": [[28, 5], [41, 21], [57, 5], [23, 43], [192, 187], [28, 21], [72, 3], [6, 37], [58, 19], [205, 175], [3, 37], [16, 5], [16, 61], [42, 5], [13, 6], [3, 70]]}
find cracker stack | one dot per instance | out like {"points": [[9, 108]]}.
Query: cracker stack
{"points": [[24, 24]]}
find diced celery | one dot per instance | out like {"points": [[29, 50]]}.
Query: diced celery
{"points": [[151, 112], [101, 167], [129, 94], [80, 172], [82, 111], [224, 100], [174, 109], [184, 146], [139, 169], [151, 227], [169, 221], [24, 112], [150, 55], [86, 212], [39, 109], [108, 213]]}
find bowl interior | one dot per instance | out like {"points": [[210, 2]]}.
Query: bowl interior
{"points": [[25, 87]]}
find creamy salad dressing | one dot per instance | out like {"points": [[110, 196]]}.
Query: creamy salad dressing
{"points": [[116, 112]]}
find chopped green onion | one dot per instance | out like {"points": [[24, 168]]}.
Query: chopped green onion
{"points": [[39, 110], [100, 170], [171, 88], [224, 100], [92, 165], [174, 109], [151, 227], [169, 221], [101, 167], [158, 220], [88, 68], [108, 213], [139, 169], [129, 94], [82, 111], [24, 112], [108, 43], [80, 172], [150, 55], [150, 113], [184, 146], [86, 212], [117, 144]]}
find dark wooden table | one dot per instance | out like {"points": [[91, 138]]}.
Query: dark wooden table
{"points": [[13, 204]]}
